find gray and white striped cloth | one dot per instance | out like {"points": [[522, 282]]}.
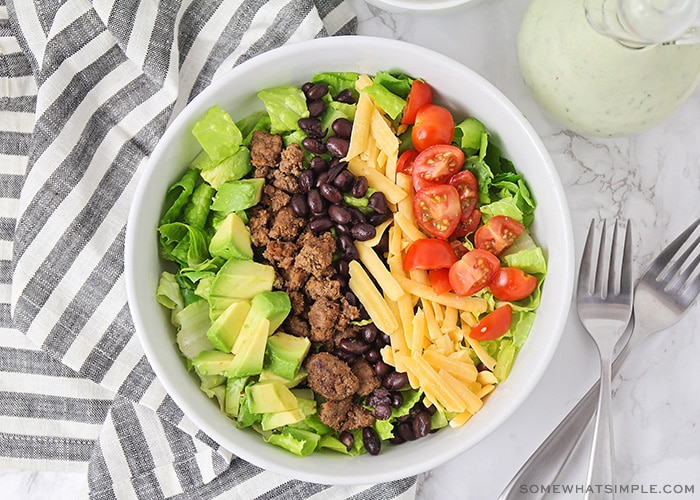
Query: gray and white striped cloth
{"points": [[86, 90]]}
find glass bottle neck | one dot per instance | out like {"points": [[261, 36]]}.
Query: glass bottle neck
{"points": [[639, 23]]}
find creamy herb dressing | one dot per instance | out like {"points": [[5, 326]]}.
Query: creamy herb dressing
{"points": [[593, 85]]}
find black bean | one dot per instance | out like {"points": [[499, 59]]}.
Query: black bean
{"points": [[343, 268], [349, 358], [383, 246], [320, 224], [347, 247], [339, 214], [312, 126], [377, 202], [382, 411], [318, 164], [353, 346], [382, 370], [315, 202], [345, 96], [363, 231], [337, 146], [376, 219], [395, 380], [306, 180], [359, 189], [306, 86], [342, 229], [405, 430], [316, 107], [396, 399], [370, 439], [357, 215], [331, 193], [342, 280], [344, 181], [347, 438], [313, 145], [322, 179], [299, 206], [397, 440], [342, 127], [352, 299], [369, 333], [421, 424], [317, 91], [336, 168], [373, 356]]}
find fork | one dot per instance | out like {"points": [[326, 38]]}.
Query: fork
{"points": [[658, 304], [604, 302]]}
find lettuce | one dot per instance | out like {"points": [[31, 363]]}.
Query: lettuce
{"points": [[178, 196], [392, 104], [285, 106], [217, 134], [184, 244], [337, 81]]}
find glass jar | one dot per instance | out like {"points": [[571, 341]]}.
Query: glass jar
{"points": [[606, 85]]}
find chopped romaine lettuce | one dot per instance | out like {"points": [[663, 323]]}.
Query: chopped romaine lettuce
{"points": [[285, 105], [217, 134]]}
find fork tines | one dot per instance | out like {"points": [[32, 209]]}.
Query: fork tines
{"points": [[612, 260], [680, 273]]}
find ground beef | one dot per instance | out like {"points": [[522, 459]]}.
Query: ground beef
{"points": [[290, 166], [345, 415], [317, 289], [316, 254], [274, 198], [286, 225], [281, 253], [330, 377], [265, 152], [258, 219], [323, 319], [366, 377]]}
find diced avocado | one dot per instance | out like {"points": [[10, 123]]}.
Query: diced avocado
{"points": [[210, 381], [284, 354], [307, 406], [269, 305], [280, 418], [238, 279], [235, 390], [270, 396], [298, 379], [246, 418], [238, 195], [250, 355], [213, 362], [224, 331], [303, 393], [194, 323], [232, 239]]}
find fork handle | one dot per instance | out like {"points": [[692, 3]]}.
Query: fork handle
{"points": [[601, 467], [546, 462]]}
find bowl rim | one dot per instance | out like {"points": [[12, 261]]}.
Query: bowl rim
{"points": [[296, 49]]}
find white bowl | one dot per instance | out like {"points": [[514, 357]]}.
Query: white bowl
{"points": [[463, 91], [422, 5]]}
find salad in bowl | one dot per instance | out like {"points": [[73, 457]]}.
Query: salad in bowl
{"points": [[350, 265]]}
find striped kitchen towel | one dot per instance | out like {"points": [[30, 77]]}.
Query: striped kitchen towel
{"points": [[86, 90]]}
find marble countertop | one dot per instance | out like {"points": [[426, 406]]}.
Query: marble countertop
{"points": [[652, 179]]}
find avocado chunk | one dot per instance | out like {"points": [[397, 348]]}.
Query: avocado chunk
{"points": [[284, 354], [293, 382], [225, 329], [250, 355], [281, 418], [231, 240], [238, 195], [273, 306], [271, 396], [238, 279], [209, 363]]}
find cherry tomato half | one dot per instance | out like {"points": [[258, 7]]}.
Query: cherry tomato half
{"points": [[429, 253], [436, 209], [436, 165], [473, 271], [468, 224], [420, 94], [405, 162], [511, 283], [440, 280], [495, 324], [497, 234], [434, 125], [468, 188]]}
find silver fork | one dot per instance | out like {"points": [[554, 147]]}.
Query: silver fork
{"points": [[604, 302], [662, 296]]}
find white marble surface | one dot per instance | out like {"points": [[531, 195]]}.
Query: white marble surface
{"points": [[653, 179]]}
